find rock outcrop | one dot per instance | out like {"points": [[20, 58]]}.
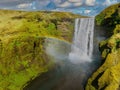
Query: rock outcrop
{"points": [[107, 77]]}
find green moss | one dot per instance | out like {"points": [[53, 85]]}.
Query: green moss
{"points": [[22, 36], [117, 29], [107, 77], [21, 61], [109, 17]]}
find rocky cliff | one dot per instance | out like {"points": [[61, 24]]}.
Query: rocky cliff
{"points": [[107, 77]]}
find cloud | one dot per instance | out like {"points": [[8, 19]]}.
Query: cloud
{"points": [[75, 1], [3, 1], [77, 4], [9, 3], [68, 3], [33, 5], [109, 2], [65, 4], [57, 1], [90, 2], [24, 5]]}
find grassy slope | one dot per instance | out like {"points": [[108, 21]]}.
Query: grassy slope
{"points": [[22, 34], [107, 77]]}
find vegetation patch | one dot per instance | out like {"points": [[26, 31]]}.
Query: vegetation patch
{"points": [[22, 35], [110, 50]]}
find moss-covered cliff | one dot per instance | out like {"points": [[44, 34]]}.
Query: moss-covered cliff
{"points": [[107, 77], [22, 34]]}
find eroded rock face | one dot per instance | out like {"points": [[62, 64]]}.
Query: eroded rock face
{"points": [[107, 77]]}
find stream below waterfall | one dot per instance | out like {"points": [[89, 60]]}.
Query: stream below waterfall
{"points": [[67, 75]]}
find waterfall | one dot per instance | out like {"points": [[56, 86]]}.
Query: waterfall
{"points": [[82, 47]]}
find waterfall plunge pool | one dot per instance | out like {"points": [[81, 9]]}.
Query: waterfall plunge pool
{"points": [[67, 75]]}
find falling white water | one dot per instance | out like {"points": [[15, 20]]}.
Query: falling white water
{"points": [[82, 47]]}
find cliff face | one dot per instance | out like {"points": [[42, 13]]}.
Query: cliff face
{"points": [[107, 77], [22, 35]]}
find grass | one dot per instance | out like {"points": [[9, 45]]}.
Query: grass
{"points": [[22, 37]]}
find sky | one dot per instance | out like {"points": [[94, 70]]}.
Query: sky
{"points": [[82, 7]]}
